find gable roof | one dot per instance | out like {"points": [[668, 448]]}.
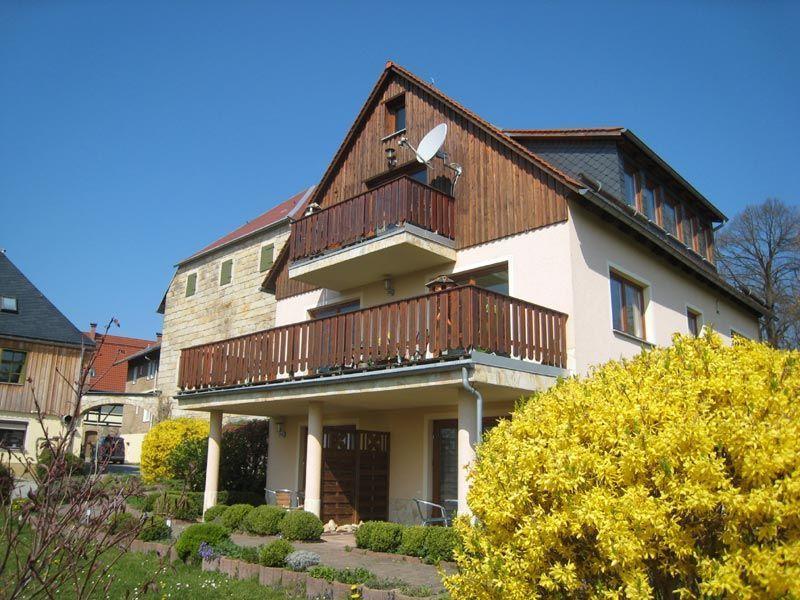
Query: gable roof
{"points": [[285, 210], [497, 134], [109, 377], [618, 133], [38, 318], [155, 347]]}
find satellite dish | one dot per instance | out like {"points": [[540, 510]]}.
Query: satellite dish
{"points": [[431, 143]]}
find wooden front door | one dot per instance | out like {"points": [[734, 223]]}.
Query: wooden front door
{"points": [[355, 475]]}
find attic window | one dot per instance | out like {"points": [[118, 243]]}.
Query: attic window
{"points": [[8, 304], [395, 114]]}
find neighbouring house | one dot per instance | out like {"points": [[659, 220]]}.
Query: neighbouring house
{"points": [[122, 399], [387, 316], [41, 354]]}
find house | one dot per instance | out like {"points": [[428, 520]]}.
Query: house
{"points": [[122, 399], [404, 307], [41, 354]]}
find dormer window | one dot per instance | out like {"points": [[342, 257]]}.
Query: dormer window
{"points": [[687, 225], [8, 304], [669, 216], [630, 187], [396, 114], [649, 202]]}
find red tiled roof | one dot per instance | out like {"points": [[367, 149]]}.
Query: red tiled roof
{"points": [[281, 211], [108, 375]]}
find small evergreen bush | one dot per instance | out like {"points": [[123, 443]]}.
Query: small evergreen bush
{"points": [[235, 515], [121, 522], [186, 506], [355, 576], [412, 542], [379, 536], [155, 528], [274, 554], [214, 513], [440, 543], [232, 550], [264, 520], [301, 525], [188, 543]]}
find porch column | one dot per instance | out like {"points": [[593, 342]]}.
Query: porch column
{"points": [[313, 501], [212, 464], [467, 437]]}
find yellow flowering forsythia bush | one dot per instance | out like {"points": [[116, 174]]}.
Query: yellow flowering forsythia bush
{"points": [[674, 474], [160, 441]]}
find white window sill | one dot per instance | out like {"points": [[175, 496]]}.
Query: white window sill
{"points": [[632, 338]]}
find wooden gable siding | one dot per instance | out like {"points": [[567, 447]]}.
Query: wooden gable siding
{"points": [[285, 287], [44, 363], [501, 193]]}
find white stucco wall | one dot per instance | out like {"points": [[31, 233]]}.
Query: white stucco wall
{"points": [[595, 247]]}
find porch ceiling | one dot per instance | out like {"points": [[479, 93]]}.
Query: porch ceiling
{"points": [[437, 384]]}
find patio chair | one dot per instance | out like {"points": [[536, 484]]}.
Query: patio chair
{"points": [[427, 511], [288, 499]]}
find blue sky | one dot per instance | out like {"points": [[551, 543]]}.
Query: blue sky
{"points": [[134, 133]]}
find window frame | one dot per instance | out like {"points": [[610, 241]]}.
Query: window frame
{"points": [[21, 375], [666, 200], [261, 268], [230, 275], [189, 276], [314, 313], [12, 311], [648, 184], [642, 289], [470, 275], [629, 170], [12, 425], [391, 108], [692, 312]]}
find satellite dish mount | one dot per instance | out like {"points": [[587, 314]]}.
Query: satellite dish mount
{"points": [[430, 148]]}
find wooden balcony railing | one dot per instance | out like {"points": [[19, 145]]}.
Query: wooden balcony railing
{"points": [[435, 326], [400, 201]]}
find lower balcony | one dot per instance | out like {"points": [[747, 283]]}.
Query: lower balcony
{"points": [[448, 325]]}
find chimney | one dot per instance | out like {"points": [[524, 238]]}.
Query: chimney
{"points": [[158, 337], [92, 331]]}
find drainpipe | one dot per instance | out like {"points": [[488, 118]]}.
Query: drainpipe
{"points": [[478, 403]]}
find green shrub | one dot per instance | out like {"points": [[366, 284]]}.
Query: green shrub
{"points": [[186, 507], [235, 515], [264, 520], [440, 543], [244, 446], [137, 502], [412, 542], [187, 462], [154, 528], [274, 554], [214, 513], [149, 504], [232, 550], [356, 576], [121, 522], [301, 525], [240, 497], [68, 466], [189, 541], [379, 536], [6, 484]]}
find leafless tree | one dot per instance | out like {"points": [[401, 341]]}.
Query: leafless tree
{"points": [[759, 251], [60, 540]]}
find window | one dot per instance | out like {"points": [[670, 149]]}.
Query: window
{"points": [[687, 224], [12, 435], [226, 272], [649, 202], [420, 175], [396, 114], [627, 306], [191, 284], [702, 240], [693, 321], [145, 416], [8, 304], [630, 187], [335, 309], [267, 257], [12, 366], [493, 278], [152, 367], [669, 217]]}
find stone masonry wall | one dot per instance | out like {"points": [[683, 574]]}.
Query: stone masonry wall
{"points": [[215, 312]]}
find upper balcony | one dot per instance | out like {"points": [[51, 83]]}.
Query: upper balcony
{"points": [[447, 325], [399, 227]]}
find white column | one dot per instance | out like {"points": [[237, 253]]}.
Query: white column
{"points": [[467, 437], [212, 463], [313, 501]]}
